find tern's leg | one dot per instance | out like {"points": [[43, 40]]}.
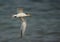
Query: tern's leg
{"points": [[23, 28]]}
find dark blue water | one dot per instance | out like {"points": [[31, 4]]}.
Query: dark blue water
{"points": [[44, 26]]}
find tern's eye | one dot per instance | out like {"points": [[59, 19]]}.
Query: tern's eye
{"points": [[15, 16]]}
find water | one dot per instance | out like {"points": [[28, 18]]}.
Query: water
{"points": [[44, 26]]}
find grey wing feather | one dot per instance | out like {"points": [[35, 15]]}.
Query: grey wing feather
{"points": [[19, 10]]}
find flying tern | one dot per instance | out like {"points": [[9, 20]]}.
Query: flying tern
{"points": [[22, 16]]}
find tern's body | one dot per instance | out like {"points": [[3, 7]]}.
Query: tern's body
{"points": [[22, 16]]}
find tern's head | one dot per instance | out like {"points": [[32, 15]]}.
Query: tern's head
{"points": [[14, 16]]}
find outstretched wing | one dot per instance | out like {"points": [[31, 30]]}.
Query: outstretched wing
{"points": [[19, 10]]}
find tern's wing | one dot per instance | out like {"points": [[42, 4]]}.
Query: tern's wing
{"points": [[23, 26], [19, 10]]}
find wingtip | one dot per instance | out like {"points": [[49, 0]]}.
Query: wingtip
{"points": [[21, 33]]}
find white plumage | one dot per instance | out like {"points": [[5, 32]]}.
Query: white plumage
{"points": [[20, 15]]}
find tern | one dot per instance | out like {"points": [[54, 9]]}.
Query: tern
{"points": [[22, 16]]}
